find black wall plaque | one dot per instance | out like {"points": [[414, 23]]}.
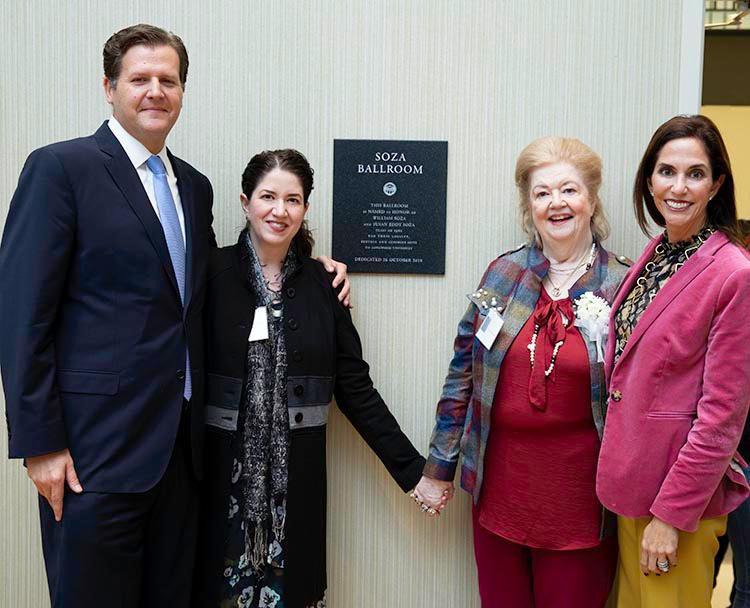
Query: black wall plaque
{"points": [[389, 205]]}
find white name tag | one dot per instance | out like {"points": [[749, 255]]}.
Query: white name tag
{"points": [[260, 325], [492, 325]]}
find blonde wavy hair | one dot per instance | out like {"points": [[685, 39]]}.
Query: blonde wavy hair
{"points": [[548, 150]]}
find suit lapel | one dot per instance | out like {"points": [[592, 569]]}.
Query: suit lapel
{"points": [[635, 271], [126, 177], [699, 262], [622, 292], [593, 278], [520, 305], [188, 210]]}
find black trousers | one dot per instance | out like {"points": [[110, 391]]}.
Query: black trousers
{"points": [[125, 550]]}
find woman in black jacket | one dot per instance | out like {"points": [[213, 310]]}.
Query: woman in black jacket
{"points": [[280, 346]]}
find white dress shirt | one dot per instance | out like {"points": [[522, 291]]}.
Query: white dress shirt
{"points": [[138, 155]]}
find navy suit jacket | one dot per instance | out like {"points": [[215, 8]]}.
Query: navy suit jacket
{"points": [[92, 329]]}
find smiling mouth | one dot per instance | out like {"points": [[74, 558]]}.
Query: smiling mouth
{"points": [[559, 219], [277, 226], [675, 205]]}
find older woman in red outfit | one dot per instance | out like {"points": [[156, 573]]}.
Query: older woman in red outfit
{"points": [[523, 403]]}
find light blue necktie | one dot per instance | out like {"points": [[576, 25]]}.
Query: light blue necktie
{"points": [[170, 223]]}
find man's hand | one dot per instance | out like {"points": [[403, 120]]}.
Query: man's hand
{"points": [[49, 473], [341, 278]]}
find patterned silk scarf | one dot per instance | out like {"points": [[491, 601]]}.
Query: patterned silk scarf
{"points": [[668, 258]]}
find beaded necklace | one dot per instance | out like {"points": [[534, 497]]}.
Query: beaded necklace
{"points": [[555, 350], [556, 291]]}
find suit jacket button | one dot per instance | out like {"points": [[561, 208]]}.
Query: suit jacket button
{"points": [[296, 356], [292, 323], [616, 395], [290, 292], [299, 390], [180, 374], [298, 417]]}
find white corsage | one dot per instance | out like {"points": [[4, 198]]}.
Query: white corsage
{"points": [[592, 316]]}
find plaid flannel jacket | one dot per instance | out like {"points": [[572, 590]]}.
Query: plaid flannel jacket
{"points": [[463, 413]]}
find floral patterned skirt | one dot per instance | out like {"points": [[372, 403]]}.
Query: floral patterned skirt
{"points": [[242, 587]]}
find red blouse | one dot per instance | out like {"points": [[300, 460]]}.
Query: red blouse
{"points": [[540, 464]]}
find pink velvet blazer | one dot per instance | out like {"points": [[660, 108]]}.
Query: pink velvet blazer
{"points": [[679, 393]]}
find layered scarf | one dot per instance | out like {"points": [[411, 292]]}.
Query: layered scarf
{"points": [[666, 260], [265, 439], [550, 333]]}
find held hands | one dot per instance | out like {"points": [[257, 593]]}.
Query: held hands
{"points": [[659, 547], [432, 495], [49, 473], [341, 277]]}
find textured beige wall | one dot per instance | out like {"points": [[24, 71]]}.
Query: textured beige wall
{"points": [[486, 76]]}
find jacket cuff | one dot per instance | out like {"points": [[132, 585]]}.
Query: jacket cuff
{"points": [[439, 469], [44, 440], [681, 520], [410, 476]]}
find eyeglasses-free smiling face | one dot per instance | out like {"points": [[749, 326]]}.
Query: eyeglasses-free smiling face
{"points": [[560, 204], [682, 186], [275, 211], [146, 99]]}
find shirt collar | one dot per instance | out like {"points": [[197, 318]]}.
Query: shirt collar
{"points": [[136, 151]]}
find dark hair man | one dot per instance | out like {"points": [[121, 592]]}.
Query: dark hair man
{"points": [[102, 268]]}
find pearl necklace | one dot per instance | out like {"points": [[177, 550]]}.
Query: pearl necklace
{"points": [[532, 348], [555, 293]]}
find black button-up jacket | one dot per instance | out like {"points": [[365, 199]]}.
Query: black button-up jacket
{"points": [[324, 360]]}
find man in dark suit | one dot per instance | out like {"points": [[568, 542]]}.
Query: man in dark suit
{"points": [[102, 269]]}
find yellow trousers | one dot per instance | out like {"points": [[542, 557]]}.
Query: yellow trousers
{"points": [[689, 585]]}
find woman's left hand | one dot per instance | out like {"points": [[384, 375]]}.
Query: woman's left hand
{"points": [[659, 547], [341, 277]]}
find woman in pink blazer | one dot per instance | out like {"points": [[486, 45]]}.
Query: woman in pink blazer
{"points": [[678, 371]]}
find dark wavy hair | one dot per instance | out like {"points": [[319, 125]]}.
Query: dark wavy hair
{"points": [[142, 34], [722, 208], [286, 160]]}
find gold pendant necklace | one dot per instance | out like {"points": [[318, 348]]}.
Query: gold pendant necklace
{"points": [[556, 290]]}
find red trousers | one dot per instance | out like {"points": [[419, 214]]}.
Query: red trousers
{"points": [[516, 576]]}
